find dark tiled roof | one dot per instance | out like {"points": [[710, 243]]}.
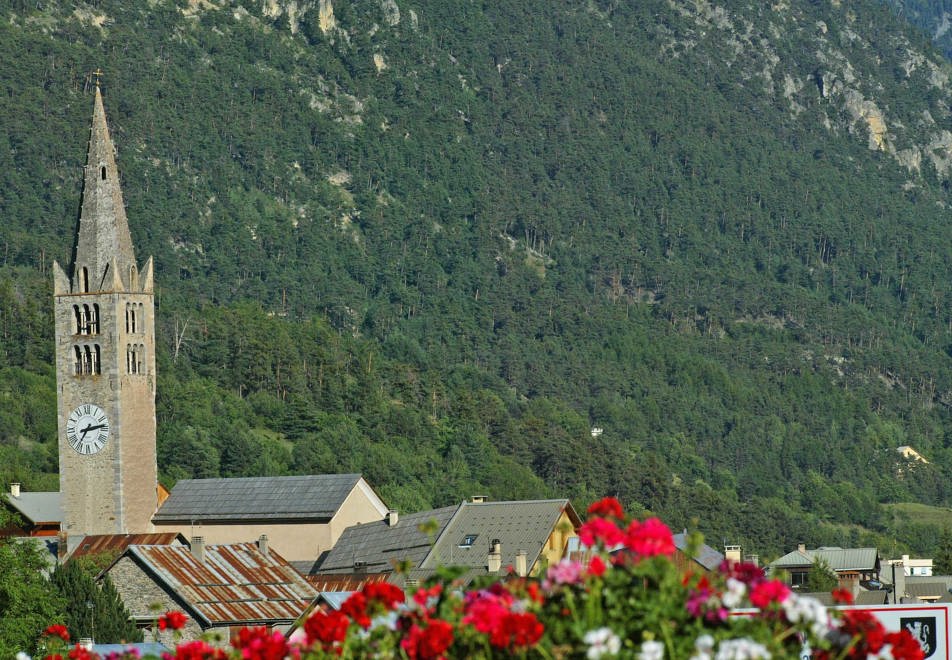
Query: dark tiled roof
{"points": [[375, 547], [312, 497], [37, 507], [706, 556], [235, 584], [927, 590], [521, 525]]}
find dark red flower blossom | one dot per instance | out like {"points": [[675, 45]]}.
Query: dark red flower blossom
{"points": [[385, 593], [58, 630], [607, 507], [748, 573], [81, 653], [53, 656], [428, 643], [356, 608], [905, 646], [173, 620], [326, 627], [843, 596], [517, 630]]}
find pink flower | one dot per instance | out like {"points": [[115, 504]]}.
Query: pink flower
{"points": [[768, 592], [649, 539], [565, 572]]}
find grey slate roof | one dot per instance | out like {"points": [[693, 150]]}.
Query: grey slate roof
{"points": [[37, 507], [927, 590], [706, 556], [839, 559], [863, 597], [379, 546], [521, 525], [311, 497]]}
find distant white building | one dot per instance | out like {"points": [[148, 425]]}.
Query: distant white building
{"points": [[912, 567]]}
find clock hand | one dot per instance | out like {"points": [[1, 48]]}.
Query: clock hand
{"points": [[88, 429]]}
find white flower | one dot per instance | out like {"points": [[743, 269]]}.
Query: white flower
{"points": [[601, 641], [741, 649], [734, 596], [22, 656], [885, 653], [807, 610], [651, 650], [703, 647]]}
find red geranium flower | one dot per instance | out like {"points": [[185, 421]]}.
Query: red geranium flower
{"points": [[326, 627], [843, 596], [597, 566], [196, 650], [81, 653], [428, 643], [58, 630], [517, 630], [260, 644], [600, 531], [356, 608], [605, 507], [650, 538], [384, 592], [764, 594], [173, 620]]}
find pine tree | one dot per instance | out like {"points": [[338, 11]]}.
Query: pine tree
{"points": [[93, 611], [943, 554]]}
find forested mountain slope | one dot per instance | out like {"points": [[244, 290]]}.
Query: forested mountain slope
{"points": [[438, 243]]}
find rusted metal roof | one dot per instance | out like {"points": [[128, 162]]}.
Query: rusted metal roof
{"points": [[352, 582], [117, 543], [234, 584]]}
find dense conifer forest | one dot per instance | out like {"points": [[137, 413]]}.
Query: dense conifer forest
{"points": [[440, 243]]}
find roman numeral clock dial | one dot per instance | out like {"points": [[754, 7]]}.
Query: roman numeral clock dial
{"points": [[87, 429]]}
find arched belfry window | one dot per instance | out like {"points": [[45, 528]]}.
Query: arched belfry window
{"points": [[102, 172], [84, 280], [87, 360], [78, 315], [78, 356], [97, 363], [94, 321], [140, 356]]}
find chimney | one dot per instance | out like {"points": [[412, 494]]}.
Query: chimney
{"points": [[752, 559], [198, 548], [521, 568], [478, 499], [393, 517], [263, 544], [15, 489], [732, 553], [494, 561], [801, 547]]}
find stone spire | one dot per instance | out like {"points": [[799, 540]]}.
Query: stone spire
{"points": [[104, 257]]}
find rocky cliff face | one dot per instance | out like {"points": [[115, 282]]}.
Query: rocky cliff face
{"points": [[836, 68]]}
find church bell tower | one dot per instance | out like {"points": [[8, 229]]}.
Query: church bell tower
{"points": [[105, 361]]}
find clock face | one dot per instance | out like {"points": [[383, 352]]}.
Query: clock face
{"points": [[87, 429]]}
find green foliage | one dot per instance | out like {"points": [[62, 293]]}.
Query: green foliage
{"points": [[539, 218], [27, 602], [92, 610], [821, 577]]}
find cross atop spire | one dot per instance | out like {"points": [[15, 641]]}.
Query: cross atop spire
{"points": [[104, 257], [97, 74]]}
